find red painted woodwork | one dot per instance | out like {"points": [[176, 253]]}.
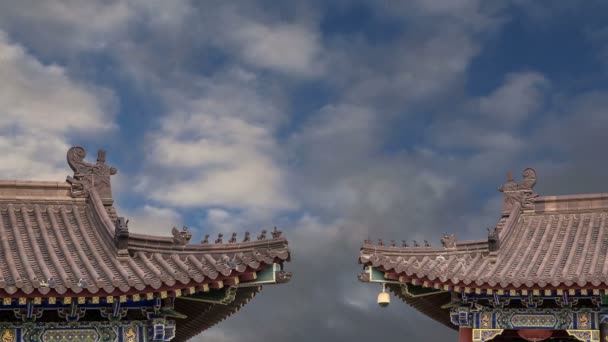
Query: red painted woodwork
{"points": [[535, 335], [465, 335]]}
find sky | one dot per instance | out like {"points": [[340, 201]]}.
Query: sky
{"points": [[335, 121]]}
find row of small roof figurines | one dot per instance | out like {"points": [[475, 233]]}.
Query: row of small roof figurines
{"points": [[184, 236], [404, 243], [447, 241]]}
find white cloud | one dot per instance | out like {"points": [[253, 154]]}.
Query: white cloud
{"points": [[519, 96], [152, 220], [217, 148], [289, 48], [40, 106], [229, 163], [65, 24]]}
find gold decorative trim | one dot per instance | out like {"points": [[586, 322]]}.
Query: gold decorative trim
{"points": [[8, 336], [585, 335], [483, 335]]}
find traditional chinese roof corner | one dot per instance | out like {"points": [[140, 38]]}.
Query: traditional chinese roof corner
{"points": [[65, 239], [540, 243]]}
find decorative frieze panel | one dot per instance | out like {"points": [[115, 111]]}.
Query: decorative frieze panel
{"points": [[126, 331], [74, 335], [553, 319]]}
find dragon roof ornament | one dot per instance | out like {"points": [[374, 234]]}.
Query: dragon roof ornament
{"points": [[521, 192], [89, 176]]}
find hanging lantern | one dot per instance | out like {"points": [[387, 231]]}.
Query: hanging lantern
{"points": [[384, 298]]}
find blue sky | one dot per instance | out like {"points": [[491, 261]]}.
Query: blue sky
{"points": [[336, 121]]}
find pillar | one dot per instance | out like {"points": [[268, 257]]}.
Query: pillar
{"points": [[465, 334]]}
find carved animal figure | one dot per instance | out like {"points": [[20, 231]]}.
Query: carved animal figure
{"points": [[233, 238], [181, 238]]}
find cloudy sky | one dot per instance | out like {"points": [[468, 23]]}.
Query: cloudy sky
{"points": [[336, 121]]}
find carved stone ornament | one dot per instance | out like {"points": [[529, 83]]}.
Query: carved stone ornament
{"points": [[121, 234], [448, 241], [181, 237], [276, 233], [233, 238], [521, 192], [89, 176], [493, 242], [283, 277]]}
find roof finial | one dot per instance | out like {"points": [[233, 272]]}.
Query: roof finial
{"points": [[509, 176], [89, 176], [521, 192]]}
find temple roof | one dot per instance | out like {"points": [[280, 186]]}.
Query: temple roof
{"points": [[538, 243], [63, 239]]}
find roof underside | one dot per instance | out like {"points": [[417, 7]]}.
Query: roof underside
{"points": [[202, 316], [428, 305]]}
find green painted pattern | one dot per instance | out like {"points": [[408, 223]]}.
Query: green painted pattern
{"points": [[70, 335]]}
